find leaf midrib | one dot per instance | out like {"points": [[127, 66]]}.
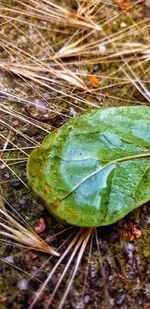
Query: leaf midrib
{"points": [[138, 156]]}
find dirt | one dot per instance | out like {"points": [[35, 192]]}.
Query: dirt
{"points": [[118, 273]]}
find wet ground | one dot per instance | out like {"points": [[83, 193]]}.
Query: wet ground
{"points": [[118, 274]]}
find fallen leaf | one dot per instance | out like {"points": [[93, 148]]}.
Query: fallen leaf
{"points": [[97, 166]]}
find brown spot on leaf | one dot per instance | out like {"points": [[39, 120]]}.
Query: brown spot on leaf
{"points": [[74, 215], [56, 204], [47, 188]]}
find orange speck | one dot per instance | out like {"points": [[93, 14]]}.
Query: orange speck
{"points": [[131, 237], [93, 81], [123, 4], [130, 231], [41, 226]]}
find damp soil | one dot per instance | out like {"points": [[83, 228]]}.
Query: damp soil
{"points": [[118, 273]]}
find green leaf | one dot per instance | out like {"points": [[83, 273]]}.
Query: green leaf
{"points": [[95, 169]]}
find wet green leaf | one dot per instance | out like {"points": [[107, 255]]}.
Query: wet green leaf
{"points": [[95, 169]]}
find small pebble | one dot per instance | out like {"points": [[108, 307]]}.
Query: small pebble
{"points": [[6, 175], [147, 220], [123, 25], [39, 104], [2, 166], [119, 298], [86, 299], [21, 201], [16, 123], [16, 184], [35, 270], [73, 112], [9, 259], [101, 48], [23, 284], [129, 252], [130, 246]]}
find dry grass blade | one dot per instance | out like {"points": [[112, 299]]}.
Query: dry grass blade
{"points": [[105, 49], [77, 245], [49, 11], [16, 231], [85, 238], [56, 75]]}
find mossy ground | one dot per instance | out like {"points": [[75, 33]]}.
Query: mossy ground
{"points": [[120, 276]]}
